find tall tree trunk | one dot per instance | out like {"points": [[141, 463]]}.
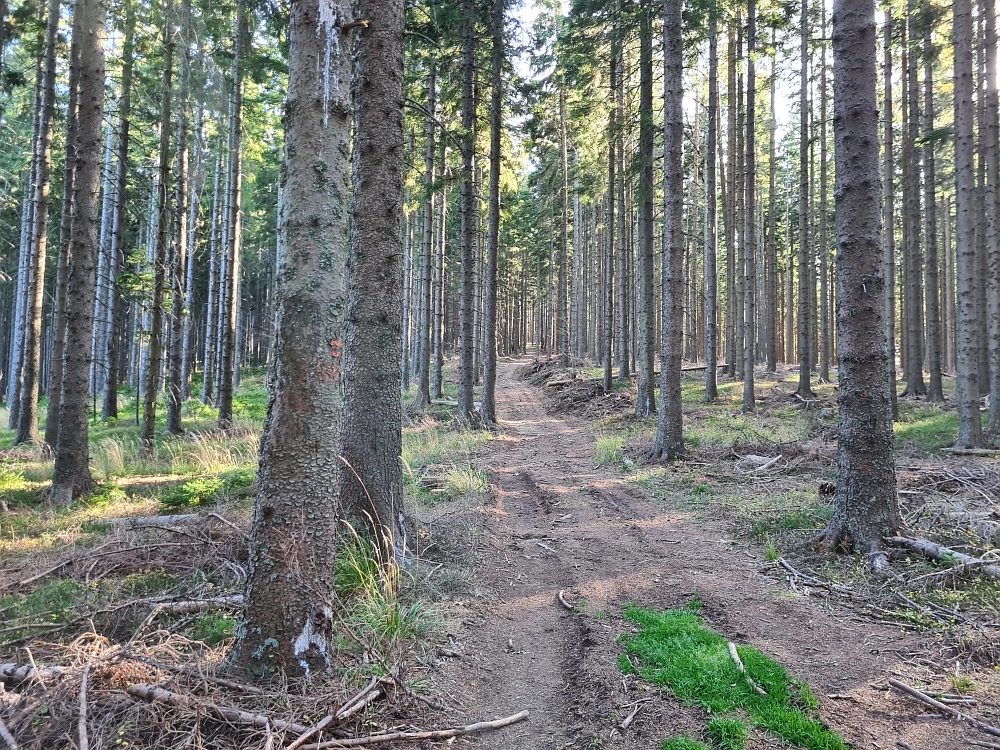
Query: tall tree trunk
{"points": [[645, 401], [992, 158], [865, 506], [609, 259], [71, 474], [729, 204], [669, 441], [824, 217], [934, 391], [213, 305], [913, 302], [624, 267], [152, 371], [423, 397], [750, 247], [711, 302], [109, 409], [466, 369], [59, 302], [440, 237], [371, 478], [234, 219], [889, 223], [562, 324], [772, 298], [805, 277], [175, 360], [488, 406], [287, 620], [27, 423], [970, 426], [188, 354]]}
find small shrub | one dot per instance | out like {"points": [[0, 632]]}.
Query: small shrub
{"points": [[213, 628]]}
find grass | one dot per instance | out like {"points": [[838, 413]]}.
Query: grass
{"points": [[683, 743], [727, 733], [608, 449], [439, 450], [677, 652]]}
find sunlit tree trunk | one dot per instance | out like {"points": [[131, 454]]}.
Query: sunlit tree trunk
{"points": [[750, 247], [423, 397], [865, 507], [669, 441], [805, 277], [287, 621], [970, 428], [933, 312], [466, 369], [645, 402], [711, 302], [71, 475]]}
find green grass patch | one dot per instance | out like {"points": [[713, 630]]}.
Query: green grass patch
{"points": [[727, 733], [677, 652], [684, 743], [205, 490], [608, 449], [927, 427]]}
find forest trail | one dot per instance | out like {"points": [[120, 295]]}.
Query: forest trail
{"points": [[556, 521]]}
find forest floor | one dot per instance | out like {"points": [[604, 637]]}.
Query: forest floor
{"points": [[558, 499], [559, 521]]}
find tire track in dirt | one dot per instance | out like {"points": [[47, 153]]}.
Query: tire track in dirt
{"points": [[558, 522]]}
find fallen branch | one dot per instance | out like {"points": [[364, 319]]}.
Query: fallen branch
{"points": [[11, 674], [914, 693], [200, 605], [189, 672], [8, 738], [627, 722], [814, 581], [357, 697], [81, 722], [743, 669], [316, 729], [138, 522], [972, 451], [938, 552], [434, 736], [153, 694], [359, 706], [562, 601], [980, 743]]}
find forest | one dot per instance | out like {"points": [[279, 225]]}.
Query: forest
{"points": [[547, 374]]}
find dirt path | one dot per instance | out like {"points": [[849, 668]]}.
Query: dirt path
{"points": [[560, 522]]}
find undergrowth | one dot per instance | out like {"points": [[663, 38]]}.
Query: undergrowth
{"points": [[676, 651]]}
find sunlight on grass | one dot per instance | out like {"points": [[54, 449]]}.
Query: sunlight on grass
{"points": [[928, 427], [676, 651], [608, 449]]}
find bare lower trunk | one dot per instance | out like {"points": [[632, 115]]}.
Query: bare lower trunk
{"points": [[992, 159], [645, 402], [933, 312], [970, 428], [750, 247], [805, 277], [288, 618], [669, 441], [711, 340], [71, 474], [371, 479], [466, 369], [152, 370], [27, 423], [865, 508], [889, 223], [423, 397]]}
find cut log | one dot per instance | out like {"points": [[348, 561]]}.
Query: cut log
{"points": [[972, 451], [200, 605], [939, 552], [138, 522]]}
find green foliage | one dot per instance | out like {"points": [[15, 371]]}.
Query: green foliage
{"points": [[15, 488], [679, 653], [727, 733], [213, 627], [683, 743], [205, 490], [608, 449]]}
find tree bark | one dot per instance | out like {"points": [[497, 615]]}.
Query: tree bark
{"points": [[59, 301], [152, 370], [371, 479], [287, 621], [234, 222], [711, 340], [970, 427], [750, 246], [488, 406], [889, 207], [935, 391], [772, 297], [423, 397], [805, 277], [992, 158], [466, 368], [824, 219], [71, 475], [645, 401], [669, 441], [27, 423], [180, 249], [562, 324], [865, 507]]}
